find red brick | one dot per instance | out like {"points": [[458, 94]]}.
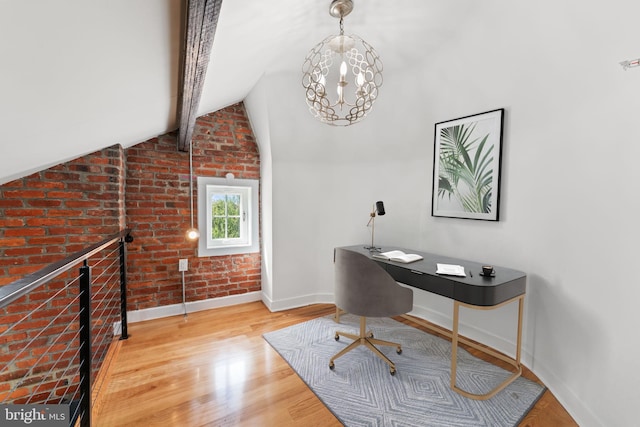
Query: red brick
{"points": [[11, 203], [44, 203], [23, 212], [65, 194], [84, 221], [64, 231], [61, 176], [23, 194], [47, 184], [98, 178], [13, 242], [22, 251], [81, 203], [43, 243], [25, 231], [24, 270], [44, 222], [65, 212], [11, 222], [85, 168], [18, 183]]}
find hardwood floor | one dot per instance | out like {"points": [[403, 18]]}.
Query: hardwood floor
{"points": [[213, 368]]}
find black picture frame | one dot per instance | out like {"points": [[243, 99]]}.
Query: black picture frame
{"points": [[467, 161]]}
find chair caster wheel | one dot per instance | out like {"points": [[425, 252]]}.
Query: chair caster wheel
{"points": [[392, 371], [370, 335], [337, 337], [399, 350], [331, 365]]}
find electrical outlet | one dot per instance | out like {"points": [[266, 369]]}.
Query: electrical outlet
{"points": [[183, 264]]}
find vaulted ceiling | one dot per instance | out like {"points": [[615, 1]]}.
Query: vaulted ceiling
{"points": [[78, 76]]}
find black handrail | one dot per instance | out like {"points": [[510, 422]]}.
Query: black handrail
{"points": [[80, 408], [14, 290]]}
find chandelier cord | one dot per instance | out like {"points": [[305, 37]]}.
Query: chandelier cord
{"points": [[341, 26]]}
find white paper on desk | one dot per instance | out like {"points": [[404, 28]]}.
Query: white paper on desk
{"points": [[451, 270]]}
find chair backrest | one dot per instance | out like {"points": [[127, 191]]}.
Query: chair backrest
{"points": [[364, 288]]}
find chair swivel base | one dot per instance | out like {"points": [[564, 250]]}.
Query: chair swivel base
{"points": [[369, 341]]}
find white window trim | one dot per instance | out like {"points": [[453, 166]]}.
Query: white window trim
{"points": [[204, 217]]}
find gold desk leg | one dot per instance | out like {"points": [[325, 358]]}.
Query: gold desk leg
{"points": [[454, 344], [513, 362]]}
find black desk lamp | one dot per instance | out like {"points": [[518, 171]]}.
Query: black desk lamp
{"points": [[378, 208]]}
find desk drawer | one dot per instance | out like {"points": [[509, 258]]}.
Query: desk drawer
{"points": [[436, 284]]}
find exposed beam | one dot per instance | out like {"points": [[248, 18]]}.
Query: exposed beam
{"points": [[202, 20]]}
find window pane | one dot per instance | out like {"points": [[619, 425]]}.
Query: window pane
{"points": [[233, 204], [234, 228], [217, 228], [217, 204]]}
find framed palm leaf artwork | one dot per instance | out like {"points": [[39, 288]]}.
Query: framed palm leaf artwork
{"points": [[466, 167]]}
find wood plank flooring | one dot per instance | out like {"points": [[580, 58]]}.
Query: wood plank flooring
{"points": [[213, 368]]}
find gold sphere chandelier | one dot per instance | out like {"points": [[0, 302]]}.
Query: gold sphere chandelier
{"points": [[341, 75]]}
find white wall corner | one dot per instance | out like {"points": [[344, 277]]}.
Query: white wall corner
{"points": [[301, 301]]}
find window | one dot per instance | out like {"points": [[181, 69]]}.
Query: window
{"points": [[227, 216]]}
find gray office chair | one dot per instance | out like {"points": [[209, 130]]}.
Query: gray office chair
{"points": [[364, 288]]}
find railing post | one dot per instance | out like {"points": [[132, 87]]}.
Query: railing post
{"points": [[85, 345], [124, 334]]}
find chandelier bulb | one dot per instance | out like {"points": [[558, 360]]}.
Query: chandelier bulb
{"points": [[340, 96]]}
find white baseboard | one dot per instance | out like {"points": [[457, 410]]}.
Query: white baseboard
{"points": [[177, 309], [583, 415], [301, 301]]}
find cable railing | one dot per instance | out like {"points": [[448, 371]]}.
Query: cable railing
{"points": [[57, 326]]}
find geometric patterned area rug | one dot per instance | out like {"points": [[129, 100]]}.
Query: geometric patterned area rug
{"points": [[360, 391]]}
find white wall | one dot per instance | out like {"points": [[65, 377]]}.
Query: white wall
{"points": [[256, 106], [569, 194]]}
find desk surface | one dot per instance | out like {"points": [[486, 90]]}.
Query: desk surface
{"points": [[475, 290]]}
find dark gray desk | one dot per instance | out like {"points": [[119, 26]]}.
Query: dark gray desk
{"points": [[473, 291]]}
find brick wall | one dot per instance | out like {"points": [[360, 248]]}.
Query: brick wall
{"points": [[44, 218], [157, 207], [50, 214]]}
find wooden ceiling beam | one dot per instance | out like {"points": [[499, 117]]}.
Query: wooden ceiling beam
{"points": [[202, 20]]}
